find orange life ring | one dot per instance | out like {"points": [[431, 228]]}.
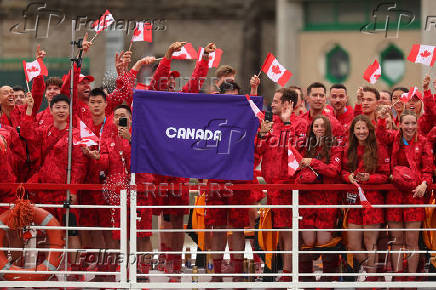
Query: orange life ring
{"points": [[41, 217]]}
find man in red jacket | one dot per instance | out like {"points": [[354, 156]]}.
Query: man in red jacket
{"points": [[272, 146], [51, 144], [114, 160], [367, 101], [316, 97], [100, 125]]}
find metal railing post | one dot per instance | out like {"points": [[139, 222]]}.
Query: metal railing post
{"points": [[133, 217], [123, 236], [295, 224]]}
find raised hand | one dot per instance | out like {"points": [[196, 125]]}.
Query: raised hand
{"points": [[254, 81], [426, 82], [119, 63], [175, 46], [85, 43], [29, 103], [143, 61], [359, 95], [40, 53], [210, 48], [285, 115]]}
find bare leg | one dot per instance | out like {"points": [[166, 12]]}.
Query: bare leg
{"points": [[412, 238], [370, 241], [397, 242]]}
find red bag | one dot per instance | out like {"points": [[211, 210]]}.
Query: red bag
{"points": [[307, 176], [404, 178]]}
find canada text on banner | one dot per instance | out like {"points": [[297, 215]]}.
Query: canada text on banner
{"points": [[194, 135]]}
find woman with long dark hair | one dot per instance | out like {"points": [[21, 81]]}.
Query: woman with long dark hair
{"points": [[321, 163], [364, 162]]}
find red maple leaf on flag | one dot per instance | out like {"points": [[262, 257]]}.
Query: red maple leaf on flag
{"points": [[276, 69], [137, 32], [377, 76], [425, 54], [32, 69]]}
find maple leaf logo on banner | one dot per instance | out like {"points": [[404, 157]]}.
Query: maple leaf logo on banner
{"points": [[276, 69], [425, 53]]}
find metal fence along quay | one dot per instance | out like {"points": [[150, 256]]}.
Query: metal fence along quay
{"points": [[127, 273]]}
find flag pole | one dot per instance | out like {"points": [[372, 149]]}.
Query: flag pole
{"points": [[260, 71], [160, 58], [130, 46], [70, 137], [95, 36], [27, 84]]}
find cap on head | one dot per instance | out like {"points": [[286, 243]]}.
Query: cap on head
{"points": [[88, 78]]}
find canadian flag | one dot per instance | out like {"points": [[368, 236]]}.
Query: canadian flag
{"points": [[186, 52], [87, 137], [406, 97], [294, 159], [363, 201], [257, 112], [424, 54], [373, 72], [143, 32], [34, 69], [275, 71], [214, 57], [104, 22]]}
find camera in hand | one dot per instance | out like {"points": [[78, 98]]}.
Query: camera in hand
{"points": [[122, 122], [268, 116]]}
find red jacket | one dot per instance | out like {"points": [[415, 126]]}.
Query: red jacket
{"points": [[24, 160], [52, 148], [115, 156], [44, 118], [6, 172], [274, 148], [162, 73], [330, 171], [419, 152], [346, 118], [7, 155], [428, 120], [337, 129], [378, 177]]}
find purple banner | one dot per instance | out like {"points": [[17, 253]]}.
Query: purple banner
{"points": [[194, 135]]}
